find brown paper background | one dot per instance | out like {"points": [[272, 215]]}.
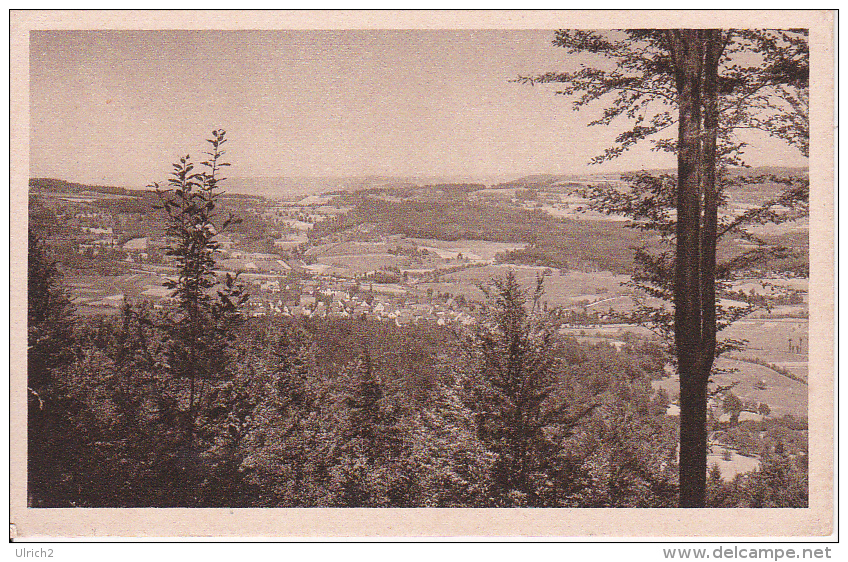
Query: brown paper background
{"points": [[817, 520]]}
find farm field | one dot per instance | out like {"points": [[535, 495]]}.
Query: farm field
{"points": [[88, 290], [801, 311], [759, 285], [353, 258], [581, 215], [799, 228], [560, 289], [475, 250], [358, 264], [767, 342], [350, 248], [769, 339], [783, 395]]}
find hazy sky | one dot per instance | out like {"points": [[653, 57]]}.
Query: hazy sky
{"points": [[118, 107]]}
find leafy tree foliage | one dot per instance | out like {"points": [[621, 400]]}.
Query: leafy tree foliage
{"points": [[709, 83], [50, 348], [452, 465], [780, 481], [293, 424], [762, 81], [202, 324], [49, 315], [732, 405]]}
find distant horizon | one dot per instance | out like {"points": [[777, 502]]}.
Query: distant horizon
{"points": [[233, 181]]}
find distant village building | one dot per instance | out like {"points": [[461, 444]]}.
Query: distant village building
{"points": [[750, 416], [259, 256], [290, 243], [95, 230], [105, 241], [298, 225], [236, 265]]}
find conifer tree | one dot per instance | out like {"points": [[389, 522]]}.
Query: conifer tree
{"points": [[517, 375]]}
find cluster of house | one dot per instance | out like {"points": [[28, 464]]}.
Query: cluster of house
{"points": [[94, 230], [137, 249], [338, 298], [94, 238], [303, 214], [754, 412]]}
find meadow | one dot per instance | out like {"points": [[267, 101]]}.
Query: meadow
{"points": [[768, 340], [86, 290], [474, 250], [783, 395], [561, 288]]}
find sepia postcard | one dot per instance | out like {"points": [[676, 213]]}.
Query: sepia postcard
{"points": [[478, 274]]}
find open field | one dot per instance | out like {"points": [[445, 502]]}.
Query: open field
{"points": [[769, 339], [770, 335], [89, 291], [475, 250], [350, 248], [738, 464], [761, 285], [578, 214], [350, 265], [788, 311], [560, 289], [783, 395]]}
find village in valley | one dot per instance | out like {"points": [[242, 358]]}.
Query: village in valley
{"points": [[421, 267], [343, 254]]}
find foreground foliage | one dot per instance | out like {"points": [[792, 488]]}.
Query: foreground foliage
{"points": [[193, 404], [342, 412]]}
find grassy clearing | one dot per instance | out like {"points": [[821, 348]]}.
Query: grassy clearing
{"points": [[783, 395], [350, 265], [560, 289], [472, 249], [738, 464], [768, 342]]}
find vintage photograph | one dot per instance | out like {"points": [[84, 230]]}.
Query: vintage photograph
{"points": [[553, 267]]}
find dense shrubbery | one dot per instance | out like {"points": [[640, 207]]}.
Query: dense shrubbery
{"points": [[195, 405], [781, 481], [343, 412]]}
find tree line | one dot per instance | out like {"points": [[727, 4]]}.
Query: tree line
{"points": [[197, 405]]}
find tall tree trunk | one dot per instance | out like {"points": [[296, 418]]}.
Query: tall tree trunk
{"points": [[689, 54], [713, 47], [700, 375]]}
